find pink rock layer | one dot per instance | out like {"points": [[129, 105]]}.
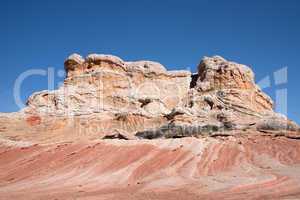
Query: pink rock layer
{"points": [[255, 167]]}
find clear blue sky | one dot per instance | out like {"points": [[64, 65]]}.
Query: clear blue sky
{"points": [[40, 34]]}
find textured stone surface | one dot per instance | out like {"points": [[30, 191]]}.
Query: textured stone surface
{"points": [[133, 130], [216, 73], [187, 168], [141, 96]]}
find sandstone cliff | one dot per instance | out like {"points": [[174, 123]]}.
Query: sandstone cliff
{"points": [[106, 97]]}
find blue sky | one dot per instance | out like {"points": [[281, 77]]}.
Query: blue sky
{"points": [[41, 34]]}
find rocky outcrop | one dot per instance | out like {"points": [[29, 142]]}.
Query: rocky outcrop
{"points": [[232, 84], [105, 97], [134, 130], [225, 91], [218, 73], [106, 83]]}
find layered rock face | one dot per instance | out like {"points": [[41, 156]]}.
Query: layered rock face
{"points": [[235, 82], [187, 168], [214, 135], [225, 91], [106, 83], [104, 96]]}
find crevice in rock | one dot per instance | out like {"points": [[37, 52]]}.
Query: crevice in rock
{"points": [[174, 113], [121, 116], [209, 101], [194, 79], [115, 136], [144, 102]]}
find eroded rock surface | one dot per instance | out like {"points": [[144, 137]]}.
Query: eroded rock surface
{"points": [[134, 130], [102, 95]]}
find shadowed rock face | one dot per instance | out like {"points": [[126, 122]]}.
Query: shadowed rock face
{"points": [[133, 130]]}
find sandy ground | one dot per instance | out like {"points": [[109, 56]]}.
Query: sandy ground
{"points": [[188, 168]]}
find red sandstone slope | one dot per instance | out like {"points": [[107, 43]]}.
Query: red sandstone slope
{"points": [[189, 168]]}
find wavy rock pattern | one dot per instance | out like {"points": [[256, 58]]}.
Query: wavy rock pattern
{"points": [[235, 168]]}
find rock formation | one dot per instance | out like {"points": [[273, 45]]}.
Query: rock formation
{"points": [[103, 95], [134, 130]]}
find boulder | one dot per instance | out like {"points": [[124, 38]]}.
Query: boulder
{"points": [[216, 73]]}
